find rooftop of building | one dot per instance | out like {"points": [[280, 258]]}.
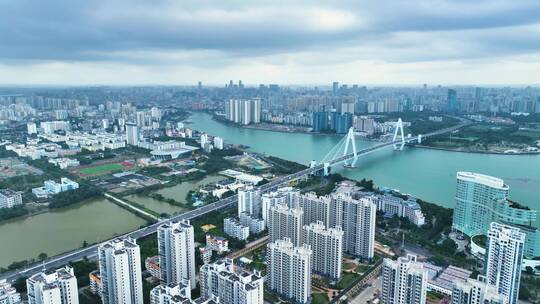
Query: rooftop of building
{"points": [[483, 179]]}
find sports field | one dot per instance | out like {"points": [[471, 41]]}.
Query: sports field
{"points": [[102, 169]]}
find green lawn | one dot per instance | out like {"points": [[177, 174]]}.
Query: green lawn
{"points": [[347, 279], [103, 169], [319, 298]]}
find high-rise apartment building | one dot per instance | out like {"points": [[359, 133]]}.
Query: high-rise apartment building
{"points": [[8, 294], [53, 287], [285, 222], [233, 286], [171, 294], [249, 201], [327, 248], [120, 271], [504, 256], [176, 248], [317, 209], [359, 225], [289, 270], [243, 111], [483, 199], [476, 291], [286, 195], [404, 281], [132, 134]]}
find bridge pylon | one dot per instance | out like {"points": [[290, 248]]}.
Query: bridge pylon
{"points": [[399, 128], [350, 141]]}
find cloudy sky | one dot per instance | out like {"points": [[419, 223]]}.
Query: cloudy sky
{"points": [[288, 42]]}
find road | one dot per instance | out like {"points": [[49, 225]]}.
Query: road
{"points": [[368, 293], [229, 202]]}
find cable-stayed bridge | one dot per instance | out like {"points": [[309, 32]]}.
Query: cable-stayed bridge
{"points": [[337, 155]]}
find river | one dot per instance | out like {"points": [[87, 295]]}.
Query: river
{"points": [[425, 173], [63, 230]]}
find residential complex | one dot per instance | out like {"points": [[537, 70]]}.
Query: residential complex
{"points": [[285, 222], [53, 287], [289, 270], [327, 248], [503, 259], [176, 247], [243, 111], [404, 281], [120, 272], [358, 225], [229, 284]]}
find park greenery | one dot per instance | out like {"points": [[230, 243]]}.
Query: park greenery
{"points": [[8, 213], [71, 197]]}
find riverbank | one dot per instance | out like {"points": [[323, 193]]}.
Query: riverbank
{"points": [[291, 129], [474, 152]]}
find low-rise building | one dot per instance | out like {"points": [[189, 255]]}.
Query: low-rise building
{"points": [[10, 198], [255, 225], [235, 229], [152, 265], [51, 187], [217, 243], [95, 282]]}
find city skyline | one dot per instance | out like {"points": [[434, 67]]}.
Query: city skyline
{"points": [[99, 43]]}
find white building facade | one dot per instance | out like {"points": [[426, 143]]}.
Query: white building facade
{"points": [[289, 270], [176, 247], [120, 271]]}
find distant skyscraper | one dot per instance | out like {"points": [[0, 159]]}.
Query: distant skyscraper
{"points": [[53, 287], [359, 225], [335, 87], [504, 256], [31, 128], [289, 270], [285, 222], [476, 292], [176, 248], [132, 134], [327, 247], [232, 286], [452, 100], [404, 281], [120, 271]]}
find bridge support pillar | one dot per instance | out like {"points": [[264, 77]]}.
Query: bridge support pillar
{"points": [[399, 128], [313, 164], [419, 138]]}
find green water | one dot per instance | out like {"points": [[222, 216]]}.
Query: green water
{"points": [[427, 174], [177, 192], [60, 231]]}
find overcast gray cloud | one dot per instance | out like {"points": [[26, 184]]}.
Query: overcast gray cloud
{"points": [[77, 41]]}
